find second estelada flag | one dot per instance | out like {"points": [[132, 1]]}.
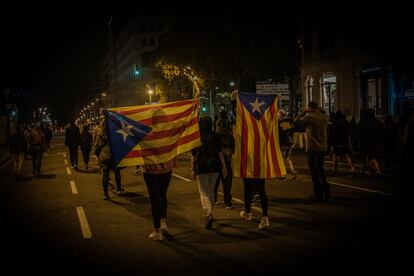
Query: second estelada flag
{"points": [[257, 151]]}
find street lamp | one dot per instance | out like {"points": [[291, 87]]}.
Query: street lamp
{"points": [[150, 96]]}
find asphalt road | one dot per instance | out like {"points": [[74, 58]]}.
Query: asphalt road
{"points": [[59, 224]]}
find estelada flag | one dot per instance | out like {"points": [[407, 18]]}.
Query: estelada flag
{"points": [[257, 151], [145, 135]]}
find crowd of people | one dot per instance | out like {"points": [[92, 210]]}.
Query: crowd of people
{"points": [[336, 135]]}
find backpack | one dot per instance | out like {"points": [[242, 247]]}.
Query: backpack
{"points": [[207, 159]]}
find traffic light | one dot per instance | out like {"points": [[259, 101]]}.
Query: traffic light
{"points": [[137, 71], [204, 108]]}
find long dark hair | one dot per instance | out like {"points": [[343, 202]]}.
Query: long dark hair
{"points": [[206, 127]]}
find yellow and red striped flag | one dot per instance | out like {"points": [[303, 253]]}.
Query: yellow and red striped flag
{"points": [[257, 151], [144, 135]]}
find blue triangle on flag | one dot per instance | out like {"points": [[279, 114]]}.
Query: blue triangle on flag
{"points": [[124, 134], [256, 104]]}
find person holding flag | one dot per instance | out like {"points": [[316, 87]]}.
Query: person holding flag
{"points": [[257, 151], [151, 137]]}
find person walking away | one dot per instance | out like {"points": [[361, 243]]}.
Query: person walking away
{"points": [[316, 125], [106, 162], [157, 179], [72, 141], [18, 148], [223, 129], [48, 136], [206, 162], [36, 148], [86, 145], [286, 141], [370, 131], [340, 141], [390, 141]]}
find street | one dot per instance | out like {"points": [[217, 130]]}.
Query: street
{"points": [[59, 223]]}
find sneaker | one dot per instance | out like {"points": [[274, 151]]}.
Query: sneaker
{"points": [[105, 197], [86, 167], [245, 215], [294, 175], [228, 207], [264, 223], [120, 192], [210, 221], [156, 235], [281, 178], [138, 171], [164, 227]]}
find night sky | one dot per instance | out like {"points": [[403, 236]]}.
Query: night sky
{"points": [[57, 53]]}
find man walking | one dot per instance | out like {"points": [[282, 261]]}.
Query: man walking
{"points": [[316, 124]]}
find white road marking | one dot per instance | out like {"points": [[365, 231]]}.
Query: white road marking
{"points": [[68, 170], [340, 163], [360, 189], [181, 177], [73, 186], [66, 161], [235, 199], [64, 154], [86, 230]]}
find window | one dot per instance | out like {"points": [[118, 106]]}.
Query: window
{"points": [[143, 42], [309, 89], [160, 27], [152, 41]]}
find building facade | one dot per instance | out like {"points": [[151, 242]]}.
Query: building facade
{"points": [[129, 81]]}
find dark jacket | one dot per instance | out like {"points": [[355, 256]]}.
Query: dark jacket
{"points": [[72, 136], [316, 131], [18, 143]]}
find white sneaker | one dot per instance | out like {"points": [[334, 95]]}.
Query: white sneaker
{"points": [[163, 227], [264, 223], [156, 235], [246, 216]]}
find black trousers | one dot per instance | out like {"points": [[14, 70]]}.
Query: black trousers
{"points": [[105, 179], [251, 184], [86, 150], [321, 188], [227, 183], [157, 185], [73, 155]]}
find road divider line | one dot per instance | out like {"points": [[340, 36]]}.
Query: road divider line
{"points": [[86, 230], [68, 170], [340, 163], [360, 189], [64, 154], [235, 199], [73, 186], [66, 161], [181, 177]]}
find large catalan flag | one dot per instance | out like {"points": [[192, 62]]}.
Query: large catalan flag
{"points": [[257, 152], [144, 135]]}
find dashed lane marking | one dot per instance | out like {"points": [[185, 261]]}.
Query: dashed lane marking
{"points": [[181, 177], [86, 230], [66, 161], [68, 170], [360, 189], [73, 187]]}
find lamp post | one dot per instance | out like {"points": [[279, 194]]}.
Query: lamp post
{"points": [[150, 96]]}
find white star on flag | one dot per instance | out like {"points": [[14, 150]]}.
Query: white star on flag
{"points": [[256, 105], [125, 131]]}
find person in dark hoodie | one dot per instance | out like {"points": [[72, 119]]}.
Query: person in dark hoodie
{"points": [[18, 148], [73, 141]]}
